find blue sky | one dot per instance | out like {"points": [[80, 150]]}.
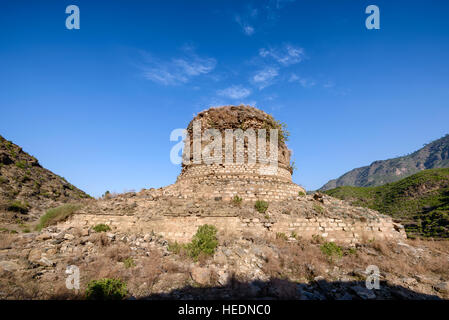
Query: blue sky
{"points": [[97, 105]]}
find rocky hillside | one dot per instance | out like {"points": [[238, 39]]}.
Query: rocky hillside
{"points": [[33, 266], [420, 202], [432, 155], [26, 188]]}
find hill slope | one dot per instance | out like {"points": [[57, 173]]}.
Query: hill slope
{"points": [[432, 155], [420, 202], [26, 188]]}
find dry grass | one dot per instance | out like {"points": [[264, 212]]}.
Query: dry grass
{"points": [[118, 252], [402, 261], [55, 215], [303, 260], [19, 287], [172, 266], [298, 261], [6, 240], [99, 239]]}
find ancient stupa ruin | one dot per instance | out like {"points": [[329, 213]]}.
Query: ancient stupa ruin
{"points": [[211, 190], [250, 178]]}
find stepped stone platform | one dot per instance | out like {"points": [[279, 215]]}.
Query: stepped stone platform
{"points": [[204, 193]]}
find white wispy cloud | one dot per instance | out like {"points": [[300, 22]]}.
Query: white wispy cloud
{"points": [[247, 28], [265, 77], [176, 70], [285, 56], [304, 82], [264, 14], [235, 92]]}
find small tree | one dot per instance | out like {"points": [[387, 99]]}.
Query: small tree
{"points": [[204, 241]]}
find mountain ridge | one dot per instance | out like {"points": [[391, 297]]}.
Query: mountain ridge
{"points": [[433, 155], [27, 189]]}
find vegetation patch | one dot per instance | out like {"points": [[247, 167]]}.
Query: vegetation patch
{"points": [[106, 289], [420, 202], [237, 200], [330, 249], [101, 228], [318, 208], [129, 262], [175, 247], [281, 236], [261, 206], [18, 206], [21, 164], [56, 215], [203, 243]]}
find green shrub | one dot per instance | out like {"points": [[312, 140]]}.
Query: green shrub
{"points": [[129, 262], [281, 236], [21, 164], [174, 247], [106, 289], [18, 206], [56, 215], [294, 235], [301, 194], [318, 208], [261, 206], [237, 200], [101, 228], [204, 241], [330, 249]]}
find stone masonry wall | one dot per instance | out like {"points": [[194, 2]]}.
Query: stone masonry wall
{"points": [[182, 229], [245, 180]]}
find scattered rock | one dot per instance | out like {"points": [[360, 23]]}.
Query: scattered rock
{"points": [[69, 236], [34, 255], [43, 236], [317, 196], [111, 236], [200, 275], [9, 266], [46, 262], [442, 287]]}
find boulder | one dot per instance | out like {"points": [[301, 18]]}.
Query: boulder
{"points": [[46, 262], [43, 236], [200, 275], [69, 236], [9, 266], [34, 255], [442, 287]]}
